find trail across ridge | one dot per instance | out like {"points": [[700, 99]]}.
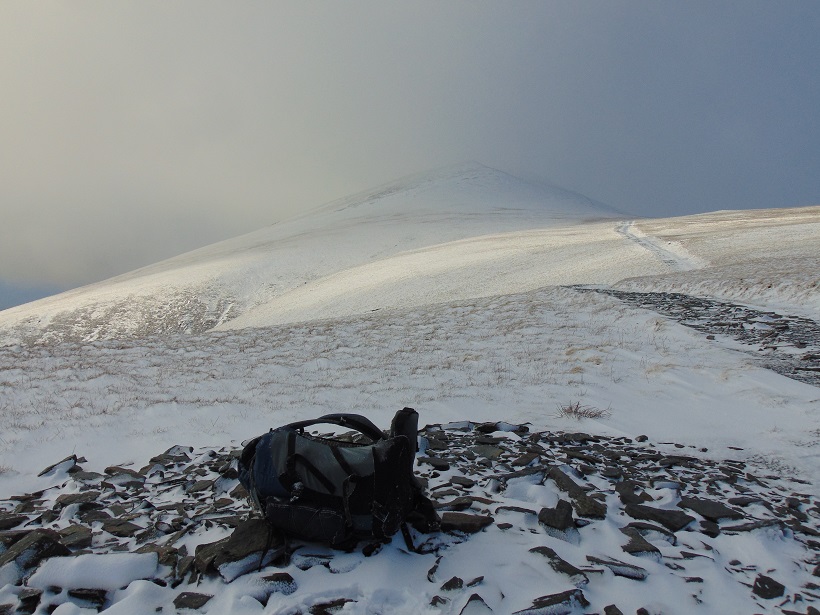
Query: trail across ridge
{"points": [[678, 260]]}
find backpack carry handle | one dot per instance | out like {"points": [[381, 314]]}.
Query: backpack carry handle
{"points": [[357, 422]]}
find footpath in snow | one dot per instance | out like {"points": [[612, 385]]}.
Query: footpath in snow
{"points": [[674, 255]]}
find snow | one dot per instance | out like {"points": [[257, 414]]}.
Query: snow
{"points": [[220, 281], [109, 571], [441, 292]]}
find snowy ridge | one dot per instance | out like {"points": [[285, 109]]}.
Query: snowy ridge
{"points": [[194, 291]]}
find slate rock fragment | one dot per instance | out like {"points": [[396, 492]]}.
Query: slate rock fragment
{"points": [[464, 522], [11, 520], [61, 466], [185, 565], [638, 545], [206, 553], [475, 606], [525, 459], [75, 536], [66, 499], [630, 492], [280, 582], [559, 518], [576, 576], [710, 528], [29, 598], [121, 528], [619, 568], [589, 507], [767, 588], [566, 483], [458, 504], [673, 520], [611, 609], [435, 462], [744, 500], [709, 509], [452, 584], [166, 555], [191, 600], [245, 549], [33, 548], [564, 603], [94, 597], [330, 607], [462, 481], [654, 531]]}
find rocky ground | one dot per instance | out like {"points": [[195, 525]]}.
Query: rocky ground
{"points": [[591, 510], [788, 345]]}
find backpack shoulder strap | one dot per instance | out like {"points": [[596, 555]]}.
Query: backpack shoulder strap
{"points": [[351, 421]]}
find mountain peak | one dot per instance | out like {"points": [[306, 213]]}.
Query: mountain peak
{"points": [[469, 188], [206, 288]]}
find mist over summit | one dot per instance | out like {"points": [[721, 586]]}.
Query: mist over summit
{"points": [[456, 233], [208, 287]]}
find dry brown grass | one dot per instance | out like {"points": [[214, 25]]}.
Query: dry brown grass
{"points": [[578, 411]]}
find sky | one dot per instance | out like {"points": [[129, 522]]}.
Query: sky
{"points": [[135, 131]]}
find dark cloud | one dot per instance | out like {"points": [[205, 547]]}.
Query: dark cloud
{"points": [[133, 131]]}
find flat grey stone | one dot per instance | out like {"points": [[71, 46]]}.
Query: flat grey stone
{"points": [[33, 548], [638, 545], [464, 522], [191, 600], [63, 465], [166, 555], [330, 607], [619, 568], [710, 509], [589, 507], [435, 462], [29, 598], [95, 597], [562, 566], [120, 528], [11, 520], [462, 481], [631, 492], [66, 499], [488, 451], [566, 483], [75, 536], [252, 544], [673, 520], [200, 486], [452, 584], [650, 529], [767, 588], [525, 459], [458, 504], [280, 582], [475, 606], [559, 518], [564, 603]]}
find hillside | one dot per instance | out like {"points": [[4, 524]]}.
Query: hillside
{"points": [[658, 377], [199, 290]]}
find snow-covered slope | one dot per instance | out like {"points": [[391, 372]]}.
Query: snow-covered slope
{"points": [[438, 292], [765, 257], [201, 289]]}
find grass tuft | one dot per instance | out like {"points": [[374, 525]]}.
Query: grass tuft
{"points": [[577, 411]]}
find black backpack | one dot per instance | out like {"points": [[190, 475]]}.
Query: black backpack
{"points": [[335, 491]]}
